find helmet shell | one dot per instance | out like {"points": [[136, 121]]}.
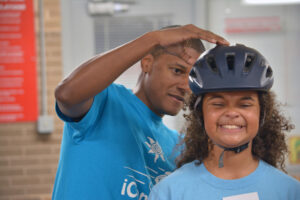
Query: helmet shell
{"points": [[230, 68]]}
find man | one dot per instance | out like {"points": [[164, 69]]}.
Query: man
{"points": [[115, 145]]}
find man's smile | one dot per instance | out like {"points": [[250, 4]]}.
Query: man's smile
{"points": [[177, 97]]}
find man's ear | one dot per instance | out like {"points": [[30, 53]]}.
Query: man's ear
{"points": [[146, 63]]}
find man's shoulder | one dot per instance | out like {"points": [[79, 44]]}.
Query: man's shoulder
{"points": [[119, 87], [114, 91]]}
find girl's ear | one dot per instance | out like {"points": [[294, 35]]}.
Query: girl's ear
{"points": [[146, 63]]}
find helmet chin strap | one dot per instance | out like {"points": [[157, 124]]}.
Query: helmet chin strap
{"points": [[234, 149]]}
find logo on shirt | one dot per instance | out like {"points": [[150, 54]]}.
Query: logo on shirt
{"points": [[155, 149], [137, 181]]}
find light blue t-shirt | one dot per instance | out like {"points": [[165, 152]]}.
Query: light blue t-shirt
{"points": [[194, 182], [119, 150]]}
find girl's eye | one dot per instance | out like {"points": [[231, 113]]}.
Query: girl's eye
{"points": [[218, 104], [245, 105]]}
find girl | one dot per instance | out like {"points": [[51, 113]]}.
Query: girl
{"points": [[235, 136]]}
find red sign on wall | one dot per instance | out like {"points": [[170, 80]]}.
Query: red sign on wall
{"points": [[18, 89], [252, 24]]}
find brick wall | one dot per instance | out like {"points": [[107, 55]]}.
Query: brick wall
{"points": [[28, 160]]}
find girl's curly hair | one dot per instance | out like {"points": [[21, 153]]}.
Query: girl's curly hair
{"points": [[269, 144]]}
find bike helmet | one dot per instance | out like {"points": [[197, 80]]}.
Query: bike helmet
{"points": [[229, 68]]}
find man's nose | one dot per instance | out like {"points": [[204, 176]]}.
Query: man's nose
{"points": [[184, 86]]}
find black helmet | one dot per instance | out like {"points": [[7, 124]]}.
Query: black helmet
{"points": [[229, 68]]}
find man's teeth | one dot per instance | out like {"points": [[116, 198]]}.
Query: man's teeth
{"points": [[231, 126]]}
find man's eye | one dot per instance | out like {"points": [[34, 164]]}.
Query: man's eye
{"points": [[177, 71]]}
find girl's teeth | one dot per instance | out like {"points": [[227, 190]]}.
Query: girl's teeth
{"points": [[230, 126]]}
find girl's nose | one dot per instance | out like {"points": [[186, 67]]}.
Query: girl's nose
{"points": [[231, 113]]}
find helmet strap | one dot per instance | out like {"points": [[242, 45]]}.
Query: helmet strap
{"points": [[234, 149], [198, 100], [262, 119]]}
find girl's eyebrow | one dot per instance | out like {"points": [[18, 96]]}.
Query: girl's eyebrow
{"points": [[247, 98], [215, 97]]}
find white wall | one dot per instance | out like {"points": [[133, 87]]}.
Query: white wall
{"points": [[78, 30], [77, 34]]}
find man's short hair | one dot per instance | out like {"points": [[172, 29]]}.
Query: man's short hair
{"points": [[191, 43]]}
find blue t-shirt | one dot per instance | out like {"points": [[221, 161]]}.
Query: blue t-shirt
{"points": [[194, 182], [119, 150]]}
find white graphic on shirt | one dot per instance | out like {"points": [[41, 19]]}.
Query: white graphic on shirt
{"points": [[129, 189], [159, 177], [248, 196], [133, 170], [131, 183], [155, 148]]}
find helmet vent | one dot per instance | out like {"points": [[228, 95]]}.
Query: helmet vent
{"points": [[269, 72], [248, 64], [212, 63], [230, 61], [193, 73]]}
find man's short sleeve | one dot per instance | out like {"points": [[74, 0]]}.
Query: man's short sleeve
{"points": [[90, 117]]}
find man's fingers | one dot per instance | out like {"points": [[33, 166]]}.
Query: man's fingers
{"points": [[181, 52], [211, 37], [206, 35], [186, 57], [167, 37], [174, 40]]}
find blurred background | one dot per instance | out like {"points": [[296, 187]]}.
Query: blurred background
{"points": [[42, 41]]}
